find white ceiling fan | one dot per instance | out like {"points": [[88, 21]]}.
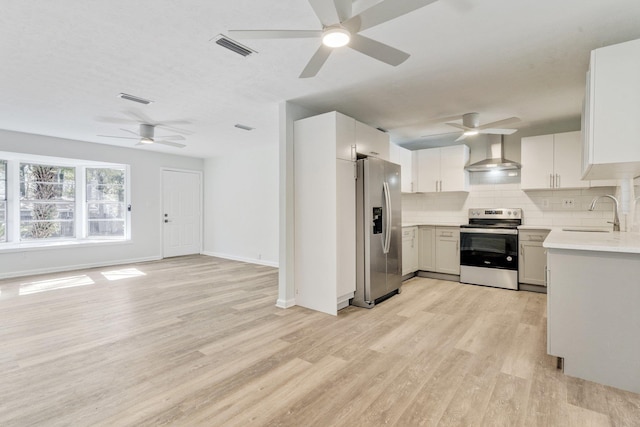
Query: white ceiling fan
{"points": [[146, 136], [341, 28], [471, 126]]}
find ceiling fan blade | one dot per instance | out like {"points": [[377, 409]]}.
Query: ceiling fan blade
{"points": [[461, 137], [173, 129], [274, 34], [140, 117], [131, 132], [115, 120], [316, 62], [119, 137], [382, 12], [169, 143], [344, 9], [377, 50], [499, 123], [496, 131], [456, 125], [172, 137], [325, 11]]}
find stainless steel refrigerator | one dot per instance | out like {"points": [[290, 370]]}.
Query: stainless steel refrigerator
{"points": [[378, 232]]}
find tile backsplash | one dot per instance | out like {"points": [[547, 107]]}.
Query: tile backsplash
{"points": [[556, 208]]}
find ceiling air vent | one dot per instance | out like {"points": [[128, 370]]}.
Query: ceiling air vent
{"points": [[243, 127], [134, 98], [233, 45]]}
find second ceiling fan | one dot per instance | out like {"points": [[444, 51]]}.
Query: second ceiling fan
{"points": [[471, 126], [341, 28]]}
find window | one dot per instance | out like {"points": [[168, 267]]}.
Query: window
{"points": [[53, 201], [105, 196], [3, 201], [47, 201]]}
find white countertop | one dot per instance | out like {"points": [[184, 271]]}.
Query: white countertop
{"points": [[613, 241], [535, 227]]}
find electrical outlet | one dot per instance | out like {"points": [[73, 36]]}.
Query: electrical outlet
{"points": [[545, 203], [568, 203]]}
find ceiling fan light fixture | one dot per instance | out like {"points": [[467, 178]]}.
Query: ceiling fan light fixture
{"points": [[145, 140], [470, 132], [336, 37]]}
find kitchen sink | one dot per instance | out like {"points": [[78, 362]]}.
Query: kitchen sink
{"points": [[587, 230]]}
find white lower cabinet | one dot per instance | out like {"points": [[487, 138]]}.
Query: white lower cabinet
{"points": [[532, 259], [409, 250], [439, 249], [448, 250]]}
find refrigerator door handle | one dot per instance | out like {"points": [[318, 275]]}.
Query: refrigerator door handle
{"points": [[387, 231]]}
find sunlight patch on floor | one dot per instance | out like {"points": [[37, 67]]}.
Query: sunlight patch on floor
{"points": [[54, 284], [125, 273]]}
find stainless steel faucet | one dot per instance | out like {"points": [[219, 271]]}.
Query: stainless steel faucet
{"points": [[616, 219]]}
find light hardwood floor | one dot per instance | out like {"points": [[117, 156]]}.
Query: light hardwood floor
{"points": [[198, 341]]}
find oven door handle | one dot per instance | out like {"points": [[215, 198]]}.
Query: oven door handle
{"points": [[489, 231]]}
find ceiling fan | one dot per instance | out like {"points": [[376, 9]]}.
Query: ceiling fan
{"points": [[146, 136], [471, 126], [341, 28]]}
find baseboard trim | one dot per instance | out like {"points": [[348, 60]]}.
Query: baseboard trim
{"points": [[242, 259], [439, 276], [281, 303], [58, 269]]}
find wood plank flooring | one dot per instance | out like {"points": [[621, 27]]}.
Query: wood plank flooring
{"points": [[198, 341]]}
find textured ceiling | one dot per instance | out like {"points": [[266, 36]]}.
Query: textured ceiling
{"points": [[63, 62]]}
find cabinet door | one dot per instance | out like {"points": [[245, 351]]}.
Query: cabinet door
{"points": [[404, 158], [427, 248], [345, 137], [371, 141], [428, 170], [566, 161], [453, 177], [448, 251], [537, 162], [409, 250], [533, 258]]}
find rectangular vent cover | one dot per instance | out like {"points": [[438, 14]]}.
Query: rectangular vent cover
{"points": [[233, 45], [244, 127], [134, 98]]}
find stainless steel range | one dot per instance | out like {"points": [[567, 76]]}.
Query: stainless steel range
{"points": [[489, 247]]}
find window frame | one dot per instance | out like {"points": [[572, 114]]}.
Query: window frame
{"points": [[126, 206], [3, 201], [13, 239]]}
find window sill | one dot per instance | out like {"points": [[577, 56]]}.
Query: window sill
{"points": [[34, 246]]}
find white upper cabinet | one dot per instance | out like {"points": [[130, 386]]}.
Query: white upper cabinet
{"points": [[405, 158], [345, 135], [371, 142], [442, 169], [551, 161], [611, 128]]}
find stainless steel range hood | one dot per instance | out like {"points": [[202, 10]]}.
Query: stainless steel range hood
{"points": [[495, 160]]}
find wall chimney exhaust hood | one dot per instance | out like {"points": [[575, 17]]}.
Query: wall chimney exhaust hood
{"points": [[495, 160]]}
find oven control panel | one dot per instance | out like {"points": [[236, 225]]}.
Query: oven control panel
{"points": [[496, 213]]}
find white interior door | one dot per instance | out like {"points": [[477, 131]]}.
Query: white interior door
{"points": [[181, 213]]}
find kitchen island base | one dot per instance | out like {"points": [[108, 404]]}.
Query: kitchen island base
{"points": [[594, 315]]}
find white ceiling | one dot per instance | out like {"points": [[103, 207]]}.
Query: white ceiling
{"points": [[63, 62]]}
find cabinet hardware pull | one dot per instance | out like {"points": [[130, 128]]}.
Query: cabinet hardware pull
{"points": [[522, 251], [557, 180], [436, 186], [550, 180]]}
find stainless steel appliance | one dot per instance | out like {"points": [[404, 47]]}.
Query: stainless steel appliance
{"points": [[378, 232], [489, 247]]}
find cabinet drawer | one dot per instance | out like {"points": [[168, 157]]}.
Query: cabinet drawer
{"points": [[447, 232]]}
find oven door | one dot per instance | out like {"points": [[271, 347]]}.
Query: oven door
{"points": [[489, 248]]}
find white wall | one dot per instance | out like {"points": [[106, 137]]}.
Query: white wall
{"points": [[146, 214], [241, 206]]}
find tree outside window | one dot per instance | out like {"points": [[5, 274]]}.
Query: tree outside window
{"points": [[47, 201], [106, 210]]}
